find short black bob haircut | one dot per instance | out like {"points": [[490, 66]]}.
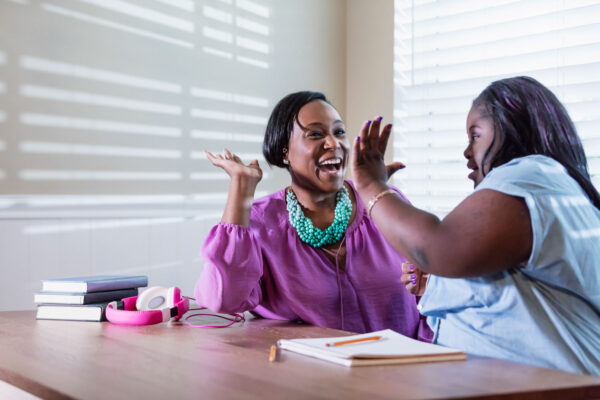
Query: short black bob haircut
{"points": [[281, 124]]}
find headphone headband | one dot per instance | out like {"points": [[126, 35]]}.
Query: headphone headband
{"points": [[126, 312]]}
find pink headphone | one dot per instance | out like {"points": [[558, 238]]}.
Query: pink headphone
{"points": [[155, 305]]}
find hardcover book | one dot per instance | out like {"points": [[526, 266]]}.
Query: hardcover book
{"points": [[99, 283], [388, 347], [83, 298], [72, 312]]}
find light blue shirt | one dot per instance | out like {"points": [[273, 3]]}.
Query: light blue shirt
{"points": [[546, 313]]}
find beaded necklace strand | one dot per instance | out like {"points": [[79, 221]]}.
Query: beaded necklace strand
{"points": [[312, 235]]}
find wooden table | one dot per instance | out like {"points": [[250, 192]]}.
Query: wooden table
{"points": [[86, 360]]}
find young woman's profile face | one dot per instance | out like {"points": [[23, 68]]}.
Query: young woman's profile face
{"points": [[318, 148], [480, 131]]}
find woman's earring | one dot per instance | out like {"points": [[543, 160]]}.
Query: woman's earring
{"points": [[286, 162]]}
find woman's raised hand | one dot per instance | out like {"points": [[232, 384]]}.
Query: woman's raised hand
{"points": [[235, 167], [367, 161], [414, 279], [242, 186]]}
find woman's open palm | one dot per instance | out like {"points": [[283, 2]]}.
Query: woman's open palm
{"points": [[235, 167]]}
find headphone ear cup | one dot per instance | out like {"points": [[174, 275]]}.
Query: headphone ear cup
{"points": [[173, 296], [153, 298]]}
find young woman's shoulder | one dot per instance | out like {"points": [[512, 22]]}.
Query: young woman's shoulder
{"points": [[531, 163], [530, 172]]}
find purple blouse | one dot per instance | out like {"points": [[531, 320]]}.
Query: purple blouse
{"points": [[265, 268]]}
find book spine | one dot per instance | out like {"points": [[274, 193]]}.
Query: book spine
{"points": [[74, 287], [88, 298], [92, 313], [115, 285], [99, 297]]}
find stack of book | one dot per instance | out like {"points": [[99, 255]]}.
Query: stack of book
{"points": [[84, 298]]}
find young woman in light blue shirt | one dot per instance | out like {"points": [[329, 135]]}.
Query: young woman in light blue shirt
{"points": [[515, 267]]}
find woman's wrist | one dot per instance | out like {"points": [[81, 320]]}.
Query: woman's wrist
{"points": [[242, 188], [239, 202], [368, 192], [376, 198]]}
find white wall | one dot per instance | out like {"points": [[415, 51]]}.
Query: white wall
{"points": [[81, 235]]}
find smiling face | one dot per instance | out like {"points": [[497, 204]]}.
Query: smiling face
{"points": [[480, 130], [318, 148]]}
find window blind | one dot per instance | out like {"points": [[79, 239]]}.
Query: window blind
{"points": [[106, 106], [446, 52]]}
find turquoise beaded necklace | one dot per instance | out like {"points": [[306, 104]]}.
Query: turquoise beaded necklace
{"points": [[312, 235]]}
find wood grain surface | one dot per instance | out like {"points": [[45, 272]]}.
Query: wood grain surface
{"points": [[90, 360]]}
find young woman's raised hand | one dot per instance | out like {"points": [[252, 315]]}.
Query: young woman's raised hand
{"points": [[368, 152], [235, 167]]}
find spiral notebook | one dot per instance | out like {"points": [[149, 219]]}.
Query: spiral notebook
{"points": [[391, 348]]}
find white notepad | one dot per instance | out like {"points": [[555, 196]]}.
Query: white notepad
{"points": [[392, 348]]}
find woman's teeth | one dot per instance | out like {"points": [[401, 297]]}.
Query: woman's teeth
{"points": [[332, 161], [331, 165]]}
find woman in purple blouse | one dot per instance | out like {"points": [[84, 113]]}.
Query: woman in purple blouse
{"points": [[309, 252]]}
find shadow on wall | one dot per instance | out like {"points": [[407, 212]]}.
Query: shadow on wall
{"points": [[105, 110]]}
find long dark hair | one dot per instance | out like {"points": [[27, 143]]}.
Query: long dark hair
{"points": [[281, 124], [529, 119]]}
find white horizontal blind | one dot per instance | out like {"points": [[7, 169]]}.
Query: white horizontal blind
{"points": [[448, 51], [107, 105]]}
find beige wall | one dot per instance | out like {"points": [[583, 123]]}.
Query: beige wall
{"points": [[369, 63]]}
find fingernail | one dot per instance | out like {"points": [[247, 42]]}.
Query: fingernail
{"points": [[358, 138], [414, 283], [389, 126], [368, 123], [379, 118], [413, 277], [412, 267]]}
